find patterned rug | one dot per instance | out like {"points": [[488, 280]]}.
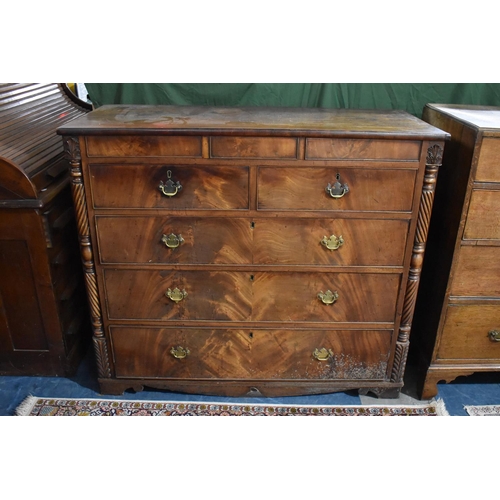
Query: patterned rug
{"points": [[483, 411], [37, 406]]}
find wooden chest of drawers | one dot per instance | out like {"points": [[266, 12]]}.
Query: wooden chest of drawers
{"points": [[252, 251], [457, 320]]}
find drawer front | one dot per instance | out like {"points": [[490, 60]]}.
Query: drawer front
{"points": [[250, 354], [332, 242], [137, 186], [143, 146], [483, 220], [212, 240], [305, 189], [350, 149], [253, 147], [488, 164], [477, 273], [242, 296], [466, 333], [173, 240]]}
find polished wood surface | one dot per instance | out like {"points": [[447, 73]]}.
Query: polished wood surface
{"points": [[459, 301], [252, 258], [250, 354], [43, 312]]}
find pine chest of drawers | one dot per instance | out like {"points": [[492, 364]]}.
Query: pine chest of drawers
{"points": [[252, 251], [458, 324]]}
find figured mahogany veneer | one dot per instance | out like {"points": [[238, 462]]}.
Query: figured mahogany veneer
{"points": [[252, 251], [458, 308]]}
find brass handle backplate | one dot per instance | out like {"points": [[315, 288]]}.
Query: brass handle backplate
{"points": [[322, 354], [176, 295], [179, 352], [172, 240], [332, 243], [170, 188], [337, 190], [494, 335], [328, 297]]}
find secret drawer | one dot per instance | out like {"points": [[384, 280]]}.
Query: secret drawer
{"points": [[471, 332], [483, 221], [213, 240], [477, 273], [335, 189], [242, 296], [250, 354], [168, 187]]}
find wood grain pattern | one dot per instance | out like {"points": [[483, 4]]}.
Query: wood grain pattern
{"points": [[253, 147], [147, 146], [483, 217], [250, 354], [256, 296], [136, 186], [488, 163], [367, 242], [304, 189], [361, 149], [465, 333], [477, 273]]}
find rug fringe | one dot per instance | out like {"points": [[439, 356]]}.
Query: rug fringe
{"points": [[26, 406], [440, 407]]}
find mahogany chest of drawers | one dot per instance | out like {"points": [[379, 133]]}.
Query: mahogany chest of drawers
{"points": [[252, 251], [457, 323]]}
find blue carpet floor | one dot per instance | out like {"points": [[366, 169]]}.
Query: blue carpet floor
{"points": [[477, 389]]}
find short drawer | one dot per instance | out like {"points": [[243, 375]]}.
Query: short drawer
{"points": [[193, 187], [242, 296], [471, 332], [488, 164], [477, 273], [144, 146], [483, 220], [362, 149], [253, 147], [250, 354], [283, 241], [306, 189], [174, 240]]}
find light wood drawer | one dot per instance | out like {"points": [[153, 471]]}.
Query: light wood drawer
{"points": [[305, 189], [477, 273], [143, 146], [253, 147], [483, 218], [488, 164], [250, 354], [214, 240], [242, 296], [466, 333], [351, 149], [137, 186]]}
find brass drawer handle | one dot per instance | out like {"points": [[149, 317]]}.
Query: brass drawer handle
{"points": [[176, 295], [171, 240], [494, 335], [322, 354], [170, 188], [338, 190], [328, 297], [332, 243], [179, 352]]}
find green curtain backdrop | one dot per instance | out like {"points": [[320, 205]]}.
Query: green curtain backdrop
{"points": [[407, 96]]}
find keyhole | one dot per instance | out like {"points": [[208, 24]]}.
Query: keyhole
{"points": [[250, 335], [251, 277], [252, 225]]}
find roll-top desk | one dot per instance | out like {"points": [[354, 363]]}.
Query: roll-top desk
{"points": [[252, 251]]}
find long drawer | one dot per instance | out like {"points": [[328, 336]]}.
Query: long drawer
{"points": [[212, 240], [306, 188], [483, 219], [250, 354], [471, 332], [244, 296], [169, 187]]}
